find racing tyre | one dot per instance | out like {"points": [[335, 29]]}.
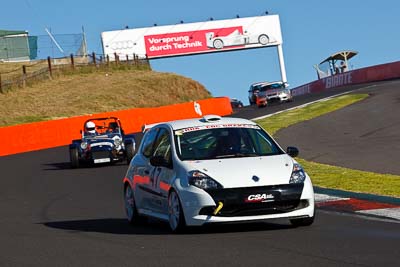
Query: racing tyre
{"points": [[74, 157], [176, 218], [263, 39], [218, 44], [130, 207], [130, 151]]}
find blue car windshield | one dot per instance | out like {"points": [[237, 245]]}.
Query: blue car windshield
{"points": [[203, 144]]}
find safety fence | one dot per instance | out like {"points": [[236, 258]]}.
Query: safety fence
{"points": [[20, 46], [27, 73], [48, 134], [359, 76]]}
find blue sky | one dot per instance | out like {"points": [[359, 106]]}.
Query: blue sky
{"points": [[312, 30]]}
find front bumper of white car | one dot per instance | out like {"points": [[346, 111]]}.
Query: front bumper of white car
{"points": [[248, 204], [282, 97]]}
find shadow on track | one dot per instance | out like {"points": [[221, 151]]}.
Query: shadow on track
{"points": [[154, 227], [67, 166], [58, 166]]}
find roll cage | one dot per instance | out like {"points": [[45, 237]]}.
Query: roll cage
{"points": [[104, 126]]}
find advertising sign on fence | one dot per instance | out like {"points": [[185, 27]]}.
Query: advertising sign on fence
{"points": [[369, 74], [61, 132], [194, 38]]}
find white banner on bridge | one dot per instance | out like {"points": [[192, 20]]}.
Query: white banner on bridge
{"points": [[194, 38]]}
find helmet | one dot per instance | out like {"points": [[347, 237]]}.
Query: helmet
{"points": [[90, 127]]}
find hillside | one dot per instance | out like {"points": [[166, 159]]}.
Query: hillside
{"points": [[101, 91]]}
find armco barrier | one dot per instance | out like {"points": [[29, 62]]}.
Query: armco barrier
{"points": [[48, 134], [370, 74]]}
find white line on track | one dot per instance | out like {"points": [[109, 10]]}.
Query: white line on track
{"points": [[325, 198], [316, 101], [388, 213]]}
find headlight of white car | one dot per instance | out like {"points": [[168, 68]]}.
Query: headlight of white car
{"points": [[284, 93], [84, 145], [203, 181], [298, 174]]}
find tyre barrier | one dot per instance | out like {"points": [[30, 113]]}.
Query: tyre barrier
{"points": [[47, 134], [365, 75]]}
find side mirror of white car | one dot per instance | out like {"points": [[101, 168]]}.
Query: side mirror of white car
{"points": [[158, 161], [292, 151]]}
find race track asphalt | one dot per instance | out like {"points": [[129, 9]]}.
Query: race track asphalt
{"points": [[363, 136], [52, 215]]}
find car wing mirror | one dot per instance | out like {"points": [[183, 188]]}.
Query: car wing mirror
{"points": [[292, 151], [159, 161]]}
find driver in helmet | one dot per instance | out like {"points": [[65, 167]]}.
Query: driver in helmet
{"points": [[90, 128], [229, 142]]}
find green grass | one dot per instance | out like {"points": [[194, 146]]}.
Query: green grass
{"points": [[352, 180], [282, 120], [331, 176]]}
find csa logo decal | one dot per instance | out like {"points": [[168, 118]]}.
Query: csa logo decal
{"points": [[259, 198]]}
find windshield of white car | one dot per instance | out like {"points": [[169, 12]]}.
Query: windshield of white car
{"points": [[271, 87], [217, 143]]}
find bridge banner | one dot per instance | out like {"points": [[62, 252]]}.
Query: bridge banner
{"points": [[194, 38]]}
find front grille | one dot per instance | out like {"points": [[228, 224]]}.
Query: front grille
{"points": [[100, 154], [282, 199], [256, 209]]}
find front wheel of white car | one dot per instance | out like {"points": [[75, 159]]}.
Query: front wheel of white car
{"points": [[218, 44], [176, 218], [263, 39]]}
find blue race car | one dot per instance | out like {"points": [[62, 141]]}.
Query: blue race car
{"points": [[103, 141]]}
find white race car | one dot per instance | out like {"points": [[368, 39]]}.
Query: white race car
{"points": [[236, 38], [266, 92], [213, 169]]}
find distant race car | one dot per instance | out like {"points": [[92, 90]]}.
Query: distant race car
{"points": [[236, 103], [266, 92], [253, 91], [103, 141], [237, 38]]}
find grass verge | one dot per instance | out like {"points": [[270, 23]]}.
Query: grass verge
{"points": [[327, 176], [94, 92]]}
